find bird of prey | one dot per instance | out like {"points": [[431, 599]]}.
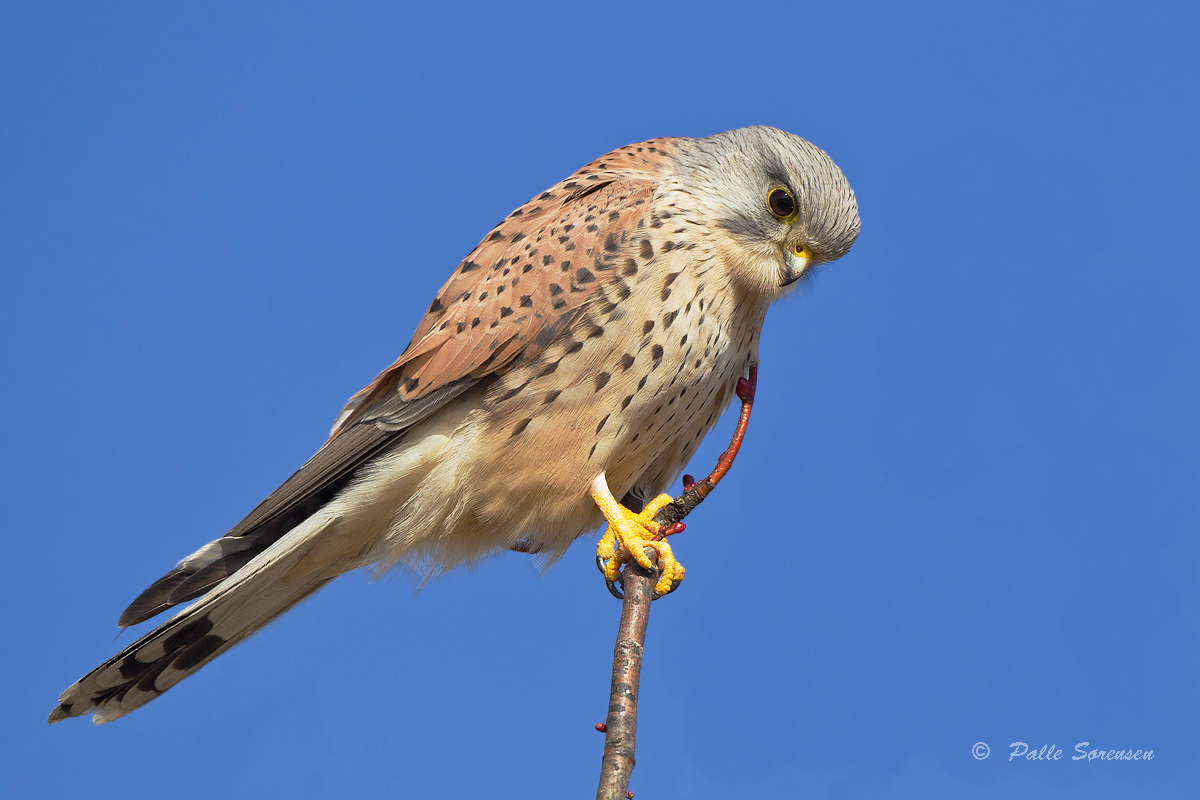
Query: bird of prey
{"points": [[578, 355]]}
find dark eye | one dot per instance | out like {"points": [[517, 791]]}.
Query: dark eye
{"points": [[781, 203]]}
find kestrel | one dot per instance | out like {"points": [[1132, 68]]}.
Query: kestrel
{"points": [[577, 355]]}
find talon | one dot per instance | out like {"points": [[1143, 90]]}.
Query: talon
{"points": [[628, 537], [670, 578], [678, 579]]}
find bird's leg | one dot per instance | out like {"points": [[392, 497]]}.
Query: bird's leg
{"points": [[628, 536]]}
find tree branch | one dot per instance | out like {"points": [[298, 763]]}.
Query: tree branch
{"points": [[616, 765], [637, 584]]}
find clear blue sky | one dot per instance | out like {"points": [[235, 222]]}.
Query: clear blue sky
{"points": [[971, 479]]}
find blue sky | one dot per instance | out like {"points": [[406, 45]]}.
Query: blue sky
{"points": [[970, 482]]}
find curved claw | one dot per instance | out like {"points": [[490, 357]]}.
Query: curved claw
{"points": [[612, 586], [674, 585]]}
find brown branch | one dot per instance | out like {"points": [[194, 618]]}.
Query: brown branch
{"points": [[620, 731], [616, 765]]}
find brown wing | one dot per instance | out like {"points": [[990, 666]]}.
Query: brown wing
{"points": [[506, 302], [512, 296]]}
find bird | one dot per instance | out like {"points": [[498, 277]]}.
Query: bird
{"points": [[577, 355]]}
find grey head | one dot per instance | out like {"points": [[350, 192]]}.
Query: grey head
{"points": [[782, 202]]}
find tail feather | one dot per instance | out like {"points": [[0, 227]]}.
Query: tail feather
{"points": [[197, 573], [231, 612], [261, 569]]}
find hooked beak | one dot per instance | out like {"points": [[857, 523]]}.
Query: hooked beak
{"points": [[795, 261]]}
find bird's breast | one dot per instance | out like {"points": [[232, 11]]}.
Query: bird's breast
{"points": [[630, 393]]}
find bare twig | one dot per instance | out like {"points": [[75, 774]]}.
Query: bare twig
{"points": [[616, 765]]}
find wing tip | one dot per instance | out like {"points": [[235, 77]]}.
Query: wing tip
{"points": [[139, 612]]}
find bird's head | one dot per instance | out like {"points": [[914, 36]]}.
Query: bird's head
{"points": [[783, 206]]}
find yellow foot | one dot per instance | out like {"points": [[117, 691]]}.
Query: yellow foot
{"points": [[628, 536]]}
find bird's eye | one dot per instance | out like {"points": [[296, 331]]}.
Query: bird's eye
{"points": [[781, 203]]}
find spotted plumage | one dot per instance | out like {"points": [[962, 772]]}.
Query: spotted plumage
{"points": [[581, 350]]}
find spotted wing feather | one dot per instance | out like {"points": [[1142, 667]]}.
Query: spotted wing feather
{"points": [[513, 295]]}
